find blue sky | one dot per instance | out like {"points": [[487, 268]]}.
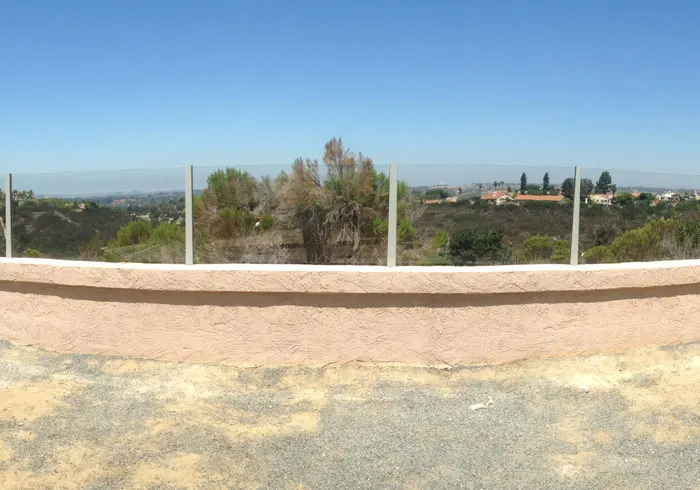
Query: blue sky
{"points": [[151, 84]]}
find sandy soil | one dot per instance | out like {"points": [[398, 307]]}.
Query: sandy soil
{"points": [[624, 421]]}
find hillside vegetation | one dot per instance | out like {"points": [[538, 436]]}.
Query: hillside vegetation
{"points": [[336, 212], [60, 232], [539, 232], [50, 228]]}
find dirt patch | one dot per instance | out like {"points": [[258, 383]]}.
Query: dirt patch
{"points": [[175, 471], [5, 452], [575, 466], [28, 401], [117, 367], [604, 437], [71, 467]]}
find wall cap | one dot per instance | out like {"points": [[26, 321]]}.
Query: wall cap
{"points": [[291, 278]]}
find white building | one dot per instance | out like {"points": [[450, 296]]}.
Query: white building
{"points": [[602, 199]]}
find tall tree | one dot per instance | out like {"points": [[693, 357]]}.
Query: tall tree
{"points": [[545, 183], [604, 183], [567, 188], [523, 182], [352, 198]]}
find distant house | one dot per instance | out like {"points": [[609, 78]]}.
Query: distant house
{"points": [[636, 195], [668, 197], [602, 199], [529, 198], [499, 197], [450, 199], [432, 201], [696, 195]]}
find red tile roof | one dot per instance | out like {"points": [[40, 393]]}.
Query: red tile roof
{"points": [[492, 196], [525, 197]]}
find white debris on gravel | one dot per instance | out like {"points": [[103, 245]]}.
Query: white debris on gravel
{"points": [[481, 406]]}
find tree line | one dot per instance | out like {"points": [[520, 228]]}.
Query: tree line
{"points": [[603, 185]]}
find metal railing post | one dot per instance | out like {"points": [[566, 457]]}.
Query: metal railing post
{"points": [[393, 206], [577, 213], [8, 216], [189, 216]]}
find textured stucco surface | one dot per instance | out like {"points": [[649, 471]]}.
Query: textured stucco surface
{"points": [[279, 315], [353, 279]]}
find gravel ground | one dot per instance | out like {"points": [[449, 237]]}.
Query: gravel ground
{"points": [[625, 421]]}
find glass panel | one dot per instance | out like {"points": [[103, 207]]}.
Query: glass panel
{"points": [[106, 215], [279, 214], [483, 215], [630, 216]]}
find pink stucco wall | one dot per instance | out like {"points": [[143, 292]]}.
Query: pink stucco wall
{"points": [[319, 315]]}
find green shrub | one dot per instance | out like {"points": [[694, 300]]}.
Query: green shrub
{"points": [[688, 232], [111, 255], [440, 240], [434, 258], [597, 254], [92, 250], [642, 244], [605, 234], [691, 206], [657, 240], [519, 257], [232, 188], [31, 253], [267, 222], [234, 220], [469, 245], [168, 233], [435, 194], [406, 232], [538, 248], [562, 252], [379, 226], [624, 198], [133, 233]]}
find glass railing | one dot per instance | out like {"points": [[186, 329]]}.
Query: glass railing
{"points": [[107, 215], [304, 214], [483, 215], [291, 214], [631, 216]]}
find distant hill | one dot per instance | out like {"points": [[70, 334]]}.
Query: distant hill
{"points": [[59, 231]]}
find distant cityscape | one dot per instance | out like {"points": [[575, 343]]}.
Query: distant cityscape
{"points": [[140, 198]]}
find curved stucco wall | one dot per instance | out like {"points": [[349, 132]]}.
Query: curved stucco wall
{"points": [[318, 315]]}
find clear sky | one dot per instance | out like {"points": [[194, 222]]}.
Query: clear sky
{"points": [[149, 84]]}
